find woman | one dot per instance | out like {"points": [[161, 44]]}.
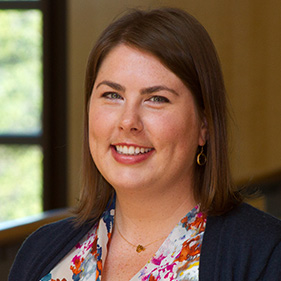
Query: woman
{"points": [[157, 196]]}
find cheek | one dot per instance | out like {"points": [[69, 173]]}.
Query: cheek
{"points": [[98, 135], [96, 125], [99, 122], [173, 127], [177, 137], [98, 132]]}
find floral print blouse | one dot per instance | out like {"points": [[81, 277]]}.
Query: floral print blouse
{"points": [[176, 259]]}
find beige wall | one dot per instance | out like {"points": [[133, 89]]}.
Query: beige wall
{"points": [[248, 39]]}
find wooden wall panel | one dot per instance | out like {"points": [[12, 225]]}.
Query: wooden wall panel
{"points": [[248, 38]]}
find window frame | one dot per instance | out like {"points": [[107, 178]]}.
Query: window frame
{"points": [[53, 139]]}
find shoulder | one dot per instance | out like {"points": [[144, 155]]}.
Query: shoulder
{"points": [[245, 224], [56, 229], [54, 233], [250, 222], [45, 247], [244, 242]]}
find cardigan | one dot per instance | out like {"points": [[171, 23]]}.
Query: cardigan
{"points": [[243, 244]]}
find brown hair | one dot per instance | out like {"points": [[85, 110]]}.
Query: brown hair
{"points": [[184, 46]]}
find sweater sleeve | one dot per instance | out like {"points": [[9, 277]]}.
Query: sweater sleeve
{"points": [[26, 257], [243, 244], [44, 249], [273, 268]]}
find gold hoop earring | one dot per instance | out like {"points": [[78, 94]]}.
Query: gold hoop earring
{"points": [[201, 158]]}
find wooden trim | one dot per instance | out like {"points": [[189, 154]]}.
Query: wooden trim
{"points": [[55, 101], [22, 5], [17, 230], [11, 139]]}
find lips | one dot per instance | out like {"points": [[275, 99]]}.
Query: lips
{"points": [[130, 154]]}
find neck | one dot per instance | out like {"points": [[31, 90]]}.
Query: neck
{"points": [[150, 213]]}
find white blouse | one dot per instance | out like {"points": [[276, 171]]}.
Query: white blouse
{"points": [[176, 259]]}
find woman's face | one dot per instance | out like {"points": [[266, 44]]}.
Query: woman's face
{"points": [[144, 128]]}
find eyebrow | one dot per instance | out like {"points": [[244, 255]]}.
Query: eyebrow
{"points": [[155, 89], [144, 91], [112, 85]]}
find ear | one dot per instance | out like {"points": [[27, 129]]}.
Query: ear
{"points": [[204, 132]]}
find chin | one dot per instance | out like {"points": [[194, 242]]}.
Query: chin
{"points": [[129, 185]]}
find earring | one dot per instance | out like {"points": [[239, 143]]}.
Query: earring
{"points": [[201, 158]]}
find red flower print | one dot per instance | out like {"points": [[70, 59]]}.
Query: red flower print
{"points": [[99, 269], [94, 247], [152, 278], [188, 250], [199, 223], [77, 263]]}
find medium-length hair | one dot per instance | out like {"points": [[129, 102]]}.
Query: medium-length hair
{"points": [[183, 45]]}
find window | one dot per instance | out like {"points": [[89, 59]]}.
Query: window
{"points": [[32, 107]]}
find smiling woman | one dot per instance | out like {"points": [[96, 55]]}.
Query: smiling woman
{"points": [[176, 50], [157, 201], [153, 110]]}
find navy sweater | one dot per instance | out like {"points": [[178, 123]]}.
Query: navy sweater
{"points": [[244, 245]]}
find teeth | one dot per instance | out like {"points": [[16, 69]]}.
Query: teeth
{"points": [[125, 150], [131, 150]]}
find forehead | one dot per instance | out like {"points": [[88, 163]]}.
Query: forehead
{"points": [[133, 62]]}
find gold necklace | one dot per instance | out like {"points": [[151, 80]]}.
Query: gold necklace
{"points": [[139, 248]]}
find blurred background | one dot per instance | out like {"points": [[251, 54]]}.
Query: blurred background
{"points": [[44, 47]]}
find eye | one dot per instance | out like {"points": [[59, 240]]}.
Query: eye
{"points": [[111, 95], [159, 99]]}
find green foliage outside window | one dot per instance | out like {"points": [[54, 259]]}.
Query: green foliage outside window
{"points": [[20, 181], [20, 112], [20, 71]]}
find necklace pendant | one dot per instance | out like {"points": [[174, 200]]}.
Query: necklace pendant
{"points": [[140, 248]]}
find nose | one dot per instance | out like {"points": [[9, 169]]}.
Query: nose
{"points": [[130, 120]]}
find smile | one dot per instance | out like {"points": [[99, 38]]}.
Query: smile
{"points": [[131, 150]]}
